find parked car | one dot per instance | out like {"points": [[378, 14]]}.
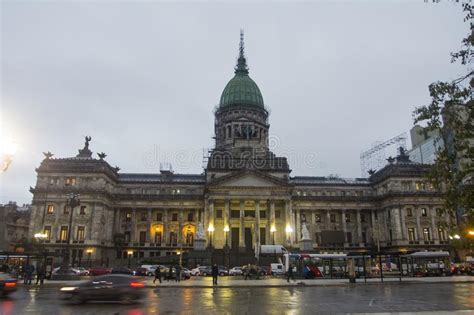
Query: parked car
{"points": [[8, 284], [81, 271], [222, 271], [122, 271], [115, 287], [186, 273], [201, 271], [265, 270], [72, 271], [98, 271], [140, 272], [236, 271]]}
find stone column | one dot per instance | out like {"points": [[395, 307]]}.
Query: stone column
{"points": [[241, 227], [434, 229], [271, 221], [164, 236], [298, 226], [180, 227], [133, 232], [148, 224], [419, 231], [288, 222], [205, 218], [403, 234], [257, 222], [227, 221], [344, 227], [328, 220], [359, 227]]}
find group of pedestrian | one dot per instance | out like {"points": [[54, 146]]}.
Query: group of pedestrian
{"points": [[169, 277]]}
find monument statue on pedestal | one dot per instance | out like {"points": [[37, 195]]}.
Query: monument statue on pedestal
{"points": [[199, 241], [306, 242]]}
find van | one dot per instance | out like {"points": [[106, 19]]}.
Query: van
{"points": [[277, 269], [272, 249]]}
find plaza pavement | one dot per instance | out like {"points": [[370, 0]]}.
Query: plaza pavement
{"points": [[231, 282]]}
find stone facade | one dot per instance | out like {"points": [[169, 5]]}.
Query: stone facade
{"points": [[244, 198], [14, 226]]}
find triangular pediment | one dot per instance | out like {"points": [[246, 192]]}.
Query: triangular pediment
{"points": [[248, 179]]}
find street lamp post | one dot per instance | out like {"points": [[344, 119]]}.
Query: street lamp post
{"points": [[72, 202], [89, 253], [129, 253], [273, 230]]}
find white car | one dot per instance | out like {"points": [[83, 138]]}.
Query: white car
{"points": [[236, 271], [201, 270]]}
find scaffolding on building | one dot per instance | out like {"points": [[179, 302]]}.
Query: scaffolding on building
{"points": [[375, 158]]}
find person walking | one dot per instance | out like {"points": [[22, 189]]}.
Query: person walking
{"points": [[247, 272], [215, 274], [157, 274], [178, 273], [40, 273], [290, 273], [29, 270]]}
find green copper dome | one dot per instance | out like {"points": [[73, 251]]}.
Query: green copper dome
{"points": [[241, 89]]}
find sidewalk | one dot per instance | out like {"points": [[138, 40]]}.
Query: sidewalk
{"points": [[238, 282]]}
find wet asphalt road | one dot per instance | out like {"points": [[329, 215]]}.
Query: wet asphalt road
{"points": [[296, 300]]}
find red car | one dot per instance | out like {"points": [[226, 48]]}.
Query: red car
{"points": [[98, 271]]}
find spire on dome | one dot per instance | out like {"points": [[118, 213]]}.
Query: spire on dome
{"points": [[241, 67]]}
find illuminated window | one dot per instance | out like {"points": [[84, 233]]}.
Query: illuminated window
{"points": [[411, 234], [63, 233], [70, 181], [50, 209], [47, 232], [128, 216], [424, 212], [420, 186], [426, 234], [80, 233]]}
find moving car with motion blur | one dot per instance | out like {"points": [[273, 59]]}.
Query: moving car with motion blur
{"points": [[8, 284], [98, 271], [113, 287]]}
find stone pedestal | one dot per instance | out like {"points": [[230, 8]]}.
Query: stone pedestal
{"points": [[199, 244], [306, 245]]}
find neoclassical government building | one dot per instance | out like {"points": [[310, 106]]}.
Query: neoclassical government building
{"points": [[245, 196]]}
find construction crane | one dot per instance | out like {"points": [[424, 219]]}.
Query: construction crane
{"points": [[376, 157]]}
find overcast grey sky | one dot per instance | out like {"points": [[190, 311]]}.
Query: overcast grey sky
{"points": [[142, 78]]}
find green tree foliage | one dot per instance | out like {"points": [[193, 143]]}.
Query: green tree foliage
{"points": [[451, 112]]}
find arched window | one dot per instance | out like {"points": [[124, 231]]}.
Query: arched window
{"points": [[229, 131]]}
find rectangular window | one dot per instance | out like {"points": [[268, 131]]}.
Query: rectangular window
{"points": [[439, 212], [158, 238], [66, 209], [349, 237], [159, 216], [442, 234], [318, 238], [420, 186], [409, 212], [277, 214], [348, 218], [71, 181], [263, 214], [128, 216], [364, 237], [376, 216], [142, 237], [47, 232], [362, 218], [50, 209], [235, 214], [424, 212], [143, 216], [174, 216], [80, 233], [190, 216], [63, 233], [219, 214], [333, 217], [126, 236], [426, 234], [318, 218], [411, 234], [249, 213], [82, 210]]}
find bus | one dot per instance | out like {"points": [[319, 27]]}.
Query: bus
{"points": [[310, 266]]}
